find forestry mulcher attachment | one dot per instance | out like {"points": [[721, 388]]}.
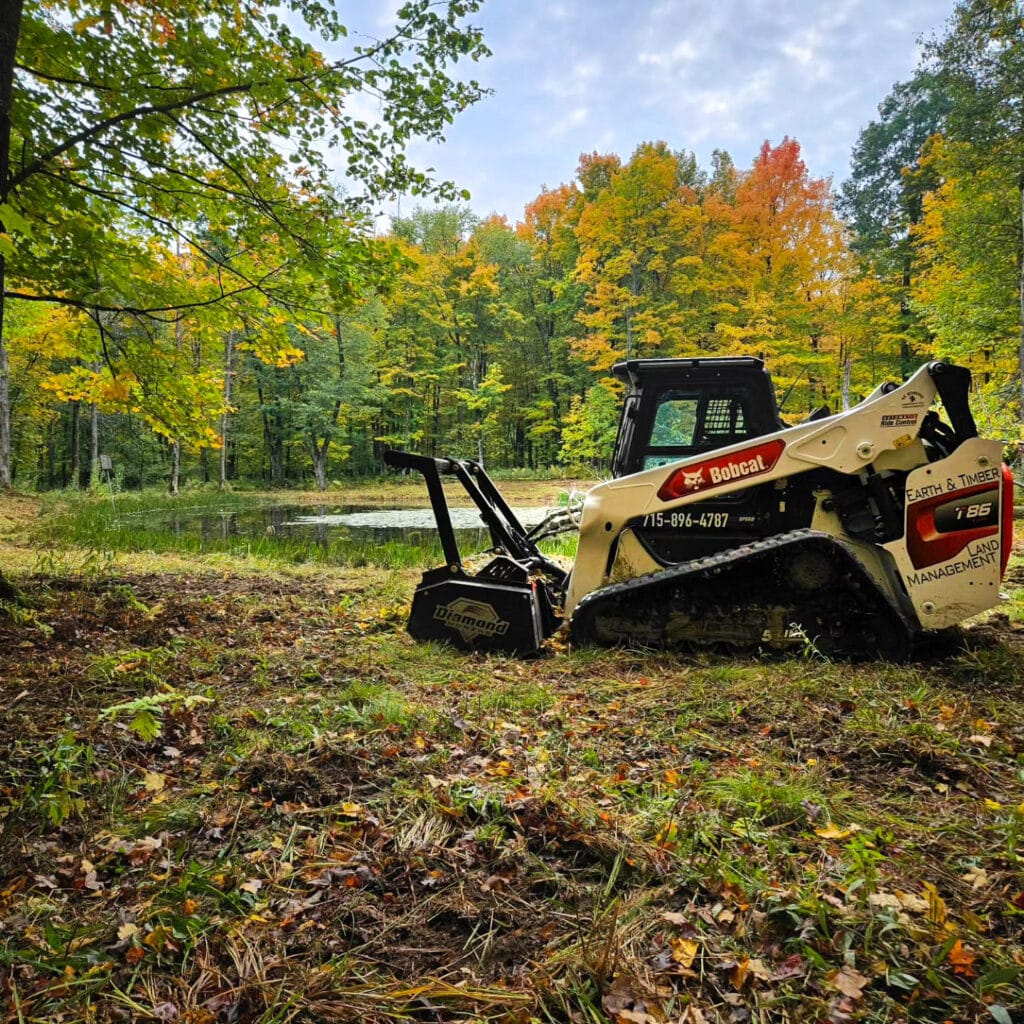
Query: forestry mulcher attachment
{"points": [[722, 527]]}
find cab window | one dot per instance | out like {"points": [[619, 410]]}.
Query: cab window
{"points": [[686, 424]]}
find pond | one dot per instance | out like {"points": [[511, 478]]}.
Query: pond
{"points": [[338, 534]]}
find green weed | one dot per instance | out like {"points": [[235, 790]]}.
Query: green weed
{"points": [[50, 784], [764, 798], [145, 714]]}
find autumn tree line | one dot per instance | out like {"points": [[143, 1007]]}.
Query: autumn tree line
{"points": [[200, 317]]}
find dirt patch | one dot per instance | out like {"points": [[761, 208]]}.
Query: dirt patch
{"points": [[17, 512]]}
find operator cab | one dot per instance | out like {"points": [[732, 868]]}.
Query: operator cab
{"points": [[677, 408]]}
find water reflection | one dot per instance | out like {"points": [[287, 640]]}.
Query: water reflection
{"points": [[341, 530]]}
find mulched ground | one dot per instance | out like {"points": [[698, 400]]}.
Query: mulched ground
{"points": [[330, 822]]}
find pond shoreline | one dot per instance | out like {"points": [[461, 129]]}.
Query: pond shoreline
{"points": [[276, 524]]}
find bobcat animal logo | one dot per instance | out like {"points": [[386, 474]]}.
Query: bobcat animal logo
{"points": [[693, 480]]}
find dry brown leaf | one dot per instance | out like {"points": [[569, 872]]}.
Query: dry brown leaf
{"points": [[636, 1017], [936, 906], [977, 877], [833, 831], [911, 902], [738, 974], [848, 981], [962, 960], [885, 899], [684, 951]]}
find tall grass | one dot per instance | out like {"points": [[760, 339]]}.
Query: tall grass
{"points": [[143, 521], [138, 522]]}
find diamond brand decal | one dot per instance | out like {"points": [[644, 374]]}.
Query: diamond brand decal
{"points": [[471, 619]]}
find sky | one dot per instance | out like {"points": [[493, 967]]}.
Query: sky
{"points": [[575, 76]]}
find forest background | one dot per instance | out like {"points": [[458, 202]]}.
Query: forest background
{"points": [[189, 291]]}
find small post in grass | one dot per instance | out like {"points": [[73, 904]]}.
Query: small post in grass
{"points": [[107, 469]]}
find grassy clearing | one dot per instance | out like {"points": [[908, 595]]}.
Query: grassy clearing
{"points": [[240, 792]]}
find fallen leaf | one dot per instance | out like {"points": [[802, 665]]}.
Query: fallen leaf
{"points": [[684, 951], [128, 931], [154, 782], [738, 974], [620, 999], [985, 741], [978, 878], [848, 981], [833, 831], [884, 899], [936, 906], [911, 902], [962, 960], [253, 885], [792, 967], [759, 969], [160, 938]]}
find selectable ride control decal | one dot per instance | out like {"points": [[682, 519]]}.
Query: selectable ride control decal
{"points": [[723, 469]]}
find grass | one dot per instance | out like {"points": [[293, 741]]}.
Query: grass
{"points": [[235, 789], [79, 526]]}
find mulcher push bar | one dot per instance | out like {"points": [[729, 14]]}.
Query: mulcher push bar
{"points": [[507, 533]]}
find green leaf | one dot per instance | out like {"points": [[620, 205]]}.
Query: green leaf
{"points": [[146, 725], [13, 221], [998, 976]]}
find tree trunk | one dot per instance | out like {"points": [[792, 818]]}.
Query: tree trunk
{"points": [[94, 444], [10, 27], [1020, 297], [76, 445], [175, 466], [6, 477], [275, 453], [319, 464], [273, 439], [229, 340], [176, 445]]}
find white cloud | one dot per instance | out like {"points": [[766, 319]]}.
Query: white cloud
{"points": [[807, 51], [683, 52], [574, 82], [573, 76], [573, 119]]}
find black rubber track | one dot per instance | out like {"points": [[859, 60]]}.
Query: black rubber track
{"points": [[794, 589]]}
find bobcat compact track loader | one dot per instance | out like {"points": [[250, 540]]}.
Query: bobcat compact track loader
{"points": [[722, 527]]}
